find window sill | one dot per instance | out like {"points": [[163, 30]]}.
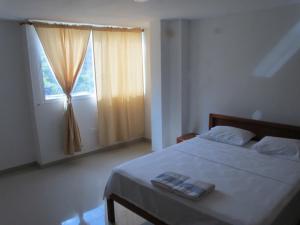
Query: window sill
{"points": [[62, 98], [82, 97]]}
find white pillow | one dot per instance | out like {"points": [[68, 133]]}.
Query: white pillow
{"points": [[282, 147], [228, 135]]}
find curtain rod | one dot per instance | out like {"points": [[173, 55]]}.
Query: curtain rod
{"points": [[79, 26]]}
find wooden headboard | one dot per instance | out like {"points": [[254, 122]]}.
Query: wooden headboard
{"points": [[260, 128]]}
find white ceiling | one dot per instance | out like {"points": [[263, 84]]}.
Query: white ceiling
{"points": [[127, 12]]}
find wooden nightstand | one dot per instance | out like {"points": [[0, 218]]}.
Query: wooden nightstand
{"points": [[185, 137]]}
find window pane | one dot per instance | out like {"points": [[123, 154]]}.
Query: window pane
{"points": [[51, 86], [84, 85], [85, 82]]}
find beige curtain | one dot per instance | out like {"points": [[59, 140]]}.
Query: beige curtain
{"points": [[65, 48], [120, 85]]}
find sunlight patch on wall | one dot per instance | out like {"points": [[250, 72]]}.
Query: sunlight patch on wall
{"points": [[280, 54]]}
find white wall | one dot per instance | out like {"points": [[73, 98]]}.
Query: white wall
{"points": [[16, 130], [148, 88], [197, 67], [174, 63], [171, 55], [223, 65], [225, 53], [50, 125], [156, 103], [169, 64]]}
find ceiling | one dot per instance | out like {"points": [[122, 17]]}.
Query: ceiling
{"points": [[127, 12]]}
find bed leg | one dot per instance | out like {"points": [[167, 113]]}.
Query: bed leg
{"points": [[111, 211]]}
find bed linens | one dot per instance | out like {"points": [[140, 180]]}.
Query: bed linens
{"points": [[251, 188], [249, 144], [228, 135], [281, 147]]}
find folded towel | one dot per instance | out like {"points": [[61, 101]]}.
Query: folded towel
{"points": [[169, 180], [193, 189], [182, 185]]}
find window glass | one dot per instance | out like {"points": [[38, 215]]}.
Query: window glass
{"points": [[85, 82], [84, 85]]}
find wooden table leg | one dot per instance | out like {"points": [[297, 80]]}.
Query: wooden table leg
{"points": [[111, 211]]}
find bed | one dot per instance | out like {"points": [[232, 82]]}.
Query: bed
{"points": [[251, 188]]}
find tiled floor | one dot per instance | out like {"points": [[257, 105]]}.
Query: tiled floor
{"points": [[65, 194]]}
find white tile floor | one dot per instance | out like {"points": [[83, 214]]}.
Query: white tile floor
{"points": [[65, 194]]}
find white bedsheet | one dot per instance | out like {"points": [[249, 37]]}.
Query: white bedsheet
{"points": [[251, 188]]}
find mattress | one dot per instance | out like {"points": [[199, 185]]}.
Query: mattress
{"points": [[251, 188]]}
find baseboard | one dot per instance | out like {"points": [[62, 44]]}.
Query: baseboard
{"points": [[111, 147], [148, 140], [18, 168], [96, 151]]}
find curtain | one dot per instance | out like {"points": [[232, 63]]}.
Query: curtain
{"points": [[65, 48], [119, 84]]}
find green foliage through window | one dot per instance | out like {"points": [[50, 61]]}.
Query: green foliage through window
{"points": [[85, 81]]}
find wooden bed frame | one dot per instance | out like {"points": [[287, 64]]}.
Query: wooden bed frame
{"points": [[260, 128]]}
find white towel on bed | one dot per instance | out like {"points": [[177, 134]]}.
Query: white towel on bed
{"points": [[193, 189], [169, 180], [182, 185]]}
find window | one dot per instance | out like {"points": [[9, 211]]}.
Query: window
{"points": [[84, 85]]}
